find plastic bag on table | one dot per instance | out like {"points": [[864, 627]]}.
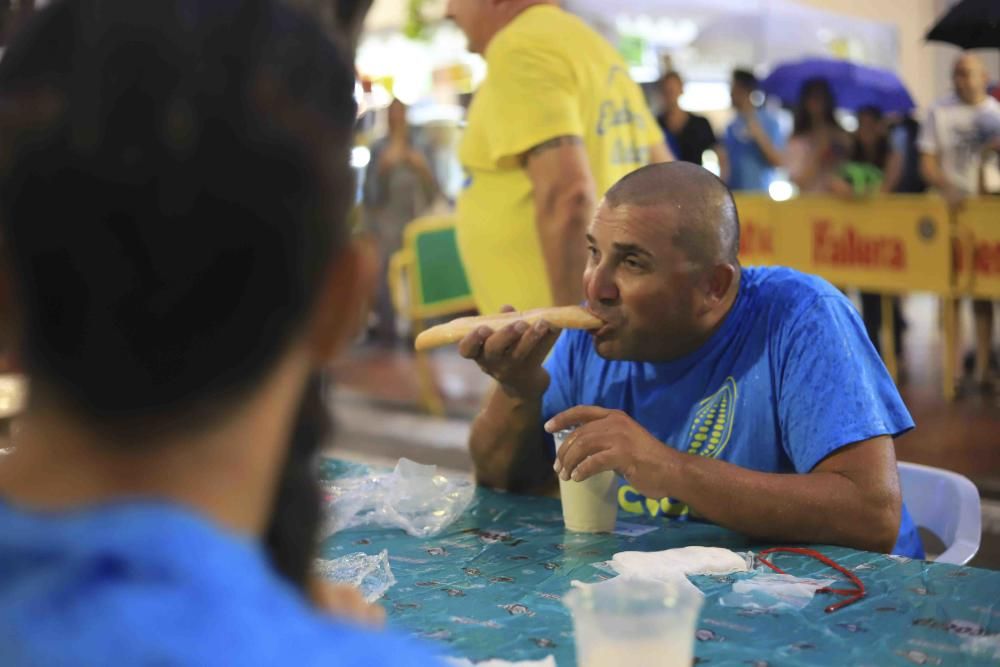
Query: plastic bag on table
{"points": [[413, 497], [767, 591], [370, 574]]}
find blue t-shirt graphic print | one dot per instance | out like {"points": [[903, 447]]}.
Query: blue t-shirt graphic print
{"points": [[789, 378]]}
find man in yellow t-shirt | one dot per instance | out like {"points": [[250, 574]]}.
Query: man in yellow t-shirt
{"points": [[557, 121]]}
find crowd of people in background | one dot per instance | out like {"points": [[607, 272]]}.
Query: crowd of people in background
{"points": [[950, 152]]}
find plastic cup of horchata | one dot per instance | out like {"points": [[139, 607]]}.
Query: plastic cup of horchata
{"points": [[590, 506], [627, 621]]}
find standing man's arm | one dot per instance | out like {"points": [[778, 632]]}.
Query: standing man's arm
{"points": [[767, 144], [565, 198], [934, 176], [929, 144]]}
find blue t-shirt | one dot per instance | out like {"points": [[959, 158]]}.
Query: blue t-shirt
{"points": [[748, 168], [789, 378], [145, 583]]}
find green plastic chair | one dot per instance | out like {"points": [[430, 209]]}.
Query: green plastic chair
{"points": [[427, 281]]}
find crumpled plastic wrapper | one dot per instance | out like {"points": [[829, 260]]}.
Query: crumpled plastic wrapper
{"points": [[369, 574], [413, 497], [771, 591]]}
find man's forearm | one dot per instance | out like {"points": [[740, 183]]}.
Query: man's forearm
{"points": [[771, 154], [561, 230], [506, 443], [821, 507], [931, 172], [565, 199]]}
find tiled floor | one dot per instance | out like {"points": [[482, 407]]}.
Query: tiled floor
{"points": [[380, 420]]}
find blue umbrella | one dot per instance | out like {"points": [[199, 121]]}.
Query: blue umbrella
{"points": [[854, 86]]}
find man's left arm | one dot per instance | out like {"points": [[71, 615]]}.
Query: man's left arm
{"points": [[565, 197], [850, 498]]}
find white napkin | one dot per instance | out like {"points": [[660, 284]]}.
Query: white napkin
{"points": [[465, 662], [667, 565]]}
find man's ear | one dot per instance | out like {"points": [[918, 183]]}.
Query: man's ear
{"points": [[341, 307], [719, 281]]}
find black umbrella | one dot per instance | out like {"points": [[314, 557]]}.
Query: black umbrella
{"points": [[971, 24]]}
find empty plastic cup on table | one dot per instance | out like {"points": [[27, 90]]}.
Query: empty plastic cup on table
{"points": [[590, 506], [634, 622]]}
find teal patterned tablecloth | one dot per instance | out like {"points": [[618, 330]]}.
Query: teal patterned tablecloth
{"points": [[490, 586]]}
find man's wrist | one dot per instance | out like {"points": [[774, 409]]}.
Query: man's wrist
{"points": [[671, 469], [527, 390]]}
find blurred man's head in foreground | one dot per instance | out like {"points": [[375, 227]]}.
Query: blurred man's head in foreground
{"points": [[173, 194]]}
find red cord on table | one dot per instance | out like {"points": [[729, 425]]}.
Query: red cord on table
{"points": [[852, 595]]}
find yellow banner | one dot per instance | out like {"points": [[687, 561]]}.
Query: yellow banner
{"points": [[758, 230], [884, 244], [977, 249]]}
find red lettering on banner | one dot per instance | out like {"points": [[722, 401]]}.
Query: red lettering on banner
{"points": [[985, 257], [849, 247], [756, 239]]}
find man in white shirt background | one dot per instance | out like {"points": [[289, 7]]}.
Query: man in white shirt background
{"points": [[957, 161]]}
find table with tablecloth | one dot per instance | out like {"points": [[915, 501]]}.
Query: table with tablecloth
{"points": [[490, 586]]}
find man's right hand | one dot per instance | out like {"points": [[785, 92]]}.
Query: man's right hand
{"points": [[513, 355], [754, 128]]}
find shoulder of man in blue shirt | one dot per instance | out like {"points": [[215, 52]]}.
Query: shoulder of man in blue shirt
{"points": [[150, 583]]}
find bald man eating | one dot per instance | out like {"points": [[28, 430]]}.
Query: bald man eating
{"points": [[749, 397]]}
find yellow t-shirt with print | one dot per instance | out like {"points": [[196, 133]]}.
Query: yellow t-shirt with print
{"points": [[549, 75]]}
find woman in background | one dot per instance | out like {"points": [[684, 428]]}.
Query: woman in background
{"points": [[819, 145], [399, 186]]}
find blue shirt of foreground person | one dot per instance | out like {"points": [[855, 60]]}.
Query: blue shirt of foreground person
{"points": [[175, 266], [751, 398]]}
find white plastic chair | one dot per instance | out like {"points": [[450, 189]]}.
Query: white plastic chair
{"points": [[947, 504]]}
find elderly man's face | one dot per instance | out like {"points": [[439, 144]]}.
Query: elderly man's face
{"points": [[641, 284]]}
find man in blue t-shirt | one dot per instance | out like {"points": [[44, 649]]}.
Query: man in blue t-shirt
{"points": [[753, 139], [176, 271], [748, 397]]}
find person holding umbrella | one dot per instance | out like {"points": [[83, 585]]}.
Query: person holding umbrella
{"points": [[955, 160], [819, 145]]}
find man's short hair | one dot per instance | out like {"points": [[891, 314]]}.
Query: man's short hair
{"points": [[173, 201], [709, 230], [746, 79]]}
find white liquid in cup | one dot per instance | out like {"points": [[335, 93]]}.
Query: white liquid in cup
{"points": [[674, 649], [590, 506], [624, 622]]}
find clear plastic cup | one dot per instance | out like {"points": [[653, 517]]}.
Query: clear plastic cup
{"points": [[590, 506], [634, 622]]}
